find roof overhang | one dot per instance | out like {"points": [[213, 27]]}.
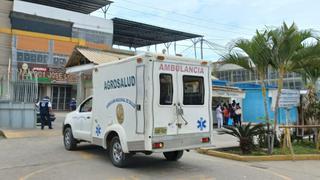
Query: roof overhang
{"points": [[135, 34], [82, 56], [86, 68], [82, 6], [227, 92]]}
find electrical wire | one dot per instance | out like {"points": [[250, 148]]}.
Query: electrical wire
{"points": [[184, 22], [188, 16]]}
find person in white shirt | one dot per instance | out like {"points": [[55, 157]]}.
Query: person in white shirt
{"points": [[219, 116]]}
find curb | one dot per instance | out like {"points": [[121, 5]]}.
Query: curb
{"points": [[14, 134], [236, 157]]}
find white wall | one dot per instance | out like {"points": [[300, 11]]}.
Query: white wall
{"points": [[80, 20], [227, 67]]}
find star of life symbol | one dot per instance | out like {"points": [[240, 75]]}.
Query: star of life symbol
{"points": [[98, 130], [201, 124]]}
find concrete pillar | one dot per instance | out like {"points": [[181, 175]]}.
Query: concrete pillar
{"points": [[48, 91], [80, 88], [14, 62], [50, 51]]}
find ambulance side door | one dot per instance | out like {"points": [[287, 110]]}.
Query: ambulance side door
{"points": [[85, 118]]}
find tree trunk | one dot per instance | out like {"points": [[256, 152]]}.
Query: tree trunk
{"points": [[276, 112], [318, 139], [264, 94]]}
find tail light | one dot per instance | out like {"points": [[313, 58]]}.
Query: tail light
{"points": [[205, 140], [157, 145]]}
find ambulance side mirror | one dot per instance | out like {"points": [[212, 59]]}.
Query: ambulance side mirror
{"points": [[138, 107]]}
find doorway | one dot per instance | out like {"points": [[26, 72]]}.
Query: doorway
{"points": [[61, 96]]}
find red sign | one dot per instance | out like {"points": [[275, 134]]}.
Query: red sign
{"points": [[41, 69]]}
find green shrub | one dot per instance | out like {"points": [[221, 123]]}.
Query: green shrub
{"points": [[245, 134]]}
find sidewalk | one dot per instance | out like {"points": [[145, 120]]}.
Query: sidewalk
{"points": [[17, 133], [36, 132], [222, 141]]}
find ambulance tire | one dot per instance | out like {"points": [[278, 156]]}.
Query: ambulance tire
{"points": [[116, 155], [173, 155], [69, 142]]}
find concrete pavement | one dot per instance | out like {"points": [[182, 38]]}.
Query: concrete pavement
{"points": [[36, 132], [40, 158], [44, 157]]}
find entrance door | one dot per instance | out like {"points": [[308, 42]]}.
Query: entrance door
{"points": [[61, 96]]}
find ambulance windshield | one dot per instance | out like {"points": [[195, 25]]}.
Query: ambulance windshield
{"points": [[193, 90], [166, 89]]}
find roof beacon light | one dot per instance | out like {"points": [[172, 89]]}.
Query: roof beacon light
{"points": [[139, 60], [161, 58], [204, 62]]}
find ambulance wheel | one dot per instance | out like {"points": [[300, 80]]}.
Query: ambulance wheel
{"points": [[69, 142], [117, 156], [173, 155]]}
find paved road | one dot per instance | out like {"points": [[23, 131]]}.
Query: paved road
{"points": [[45, 158], [39, 158]]}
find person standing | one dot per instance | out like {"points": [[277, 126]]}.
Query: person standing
{"points": [[226, 114], [238, 113], [45, 108], [234, 117], [231, 115], [73, 104], [219, 116]]}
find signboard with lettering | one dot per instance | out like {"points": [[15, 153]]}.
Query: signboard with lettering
{"points": [[289, 98], [227, 94], [181, 68], [49, 75]]}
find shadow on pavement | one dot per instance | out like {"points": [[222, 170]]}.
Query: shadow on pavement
{"points": [[137, 161]]}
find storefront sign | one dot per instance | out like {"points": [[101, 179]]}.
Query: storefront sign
{"points": [[50, 75]]}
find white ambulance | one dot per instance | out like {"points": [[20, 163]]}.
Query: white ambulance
{"points": [[146, 103]]}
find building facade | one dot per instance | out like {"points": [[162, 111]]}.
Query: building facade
{"points": [[236, 74], [39, 39]]}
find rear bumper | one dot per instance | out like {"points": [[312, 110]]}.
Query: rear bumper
{"points": [[181, 142]]}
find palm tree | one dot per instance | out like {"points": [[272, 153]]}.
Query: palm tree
{"points": [[245, 134], [288, 47], [255, 56], [310, 71]]}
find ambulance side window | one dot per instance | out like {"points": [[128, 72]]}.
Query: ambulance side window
{"points": [[86, 106], [166, 89], [193, 90]]}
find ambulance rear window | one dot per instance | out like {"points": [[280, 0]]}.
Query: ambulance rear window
{"points": [[166, 89], [193, 90]]}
